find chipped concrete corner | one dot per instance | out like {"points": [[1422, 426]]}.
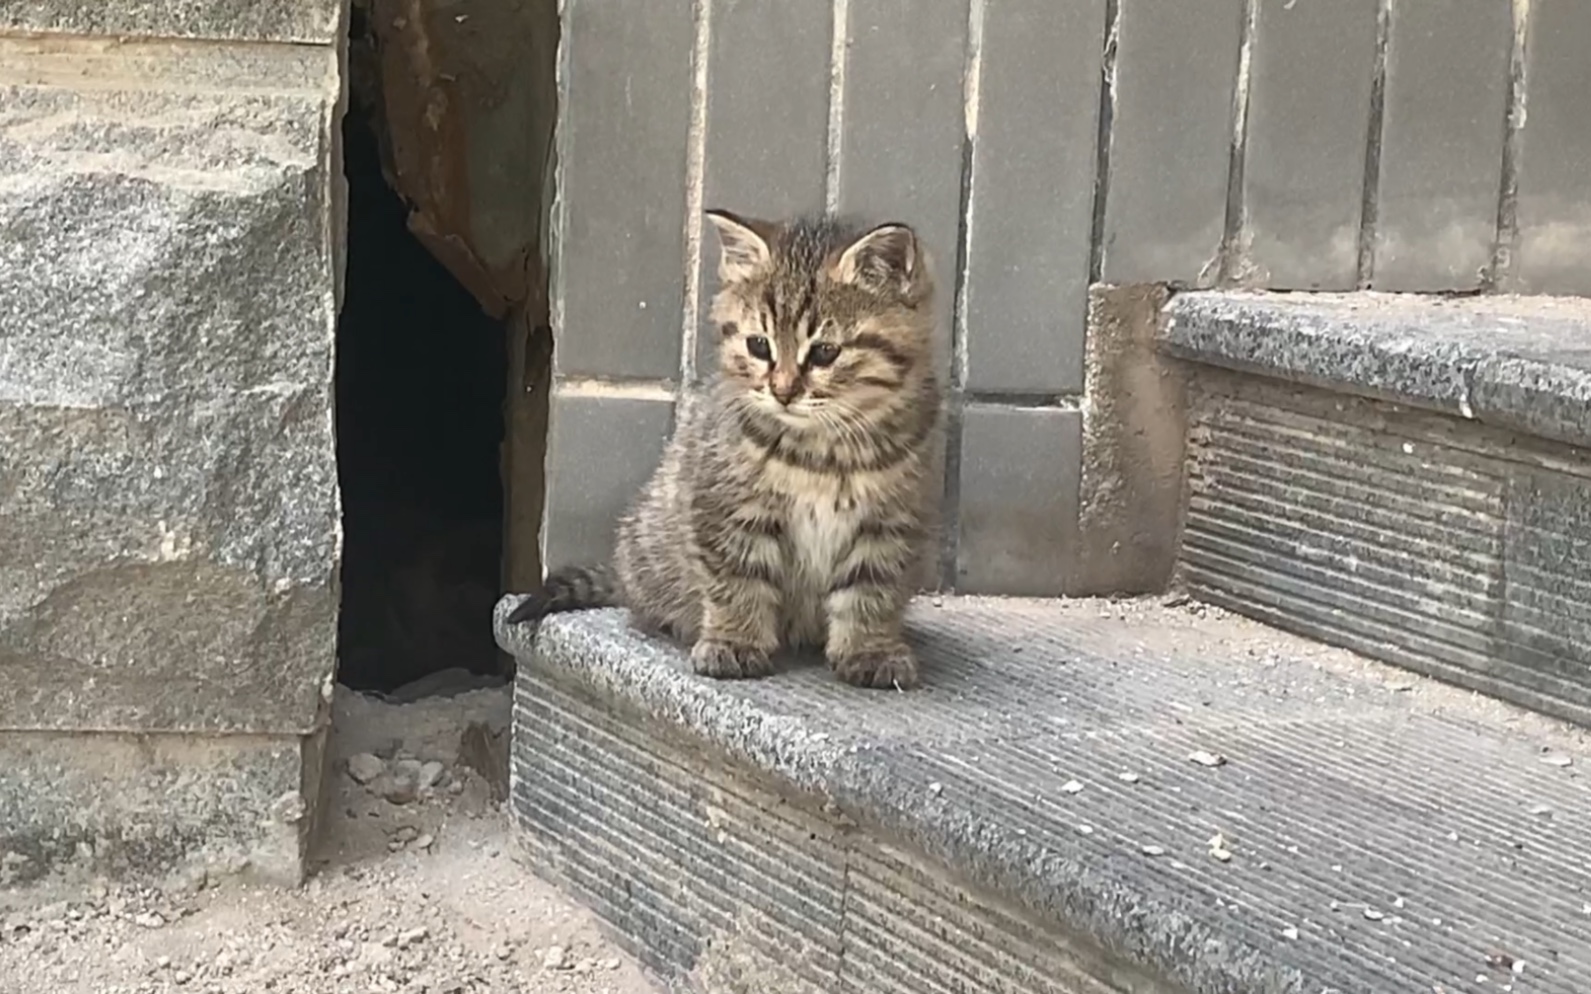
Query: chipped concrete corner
{"points": [[1134, 435]]}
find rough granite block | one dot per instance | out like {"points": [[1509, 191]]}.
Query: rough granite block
{"points": [[1441, 145], [1029, 821], [1514, 362], [1170, 141], [1554, 208], [168, 486], [1038, 123], [302, 21], [902, 127], [80, 807], [619, 225], [602, 446], [1017, 528], [1435, 544], [1304, 161], [767, 123]]}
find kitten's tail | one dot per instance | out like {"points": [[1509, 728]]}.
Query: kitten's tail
{"points": [[572, 588]]}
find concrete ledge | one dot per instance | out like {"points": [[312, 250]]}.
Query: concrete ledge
{"points": [[1031, 821], [1521, 363]]}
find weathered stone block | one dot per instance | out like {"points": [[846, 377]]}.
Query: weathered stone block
{"points": [[232, 20], [168, 493]]}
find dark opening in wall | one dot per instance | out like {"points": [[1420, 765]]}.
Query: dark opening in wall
{"points": [[421, 379]]}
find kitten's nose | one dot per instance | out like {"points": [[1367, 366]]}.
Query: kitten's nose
{"points": [[785, 386]]}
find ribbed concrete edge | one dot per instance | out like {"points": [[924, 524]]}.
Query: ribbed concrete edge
{"points": [[655, 796], [1513, 362]]}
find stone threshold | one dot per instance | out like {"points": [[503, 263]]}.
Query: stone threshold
{"points": [[1517, 363], [1084, 796]]}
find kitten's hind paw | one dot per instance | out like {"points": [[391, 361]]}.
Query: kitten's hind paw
{"points": [[727, 661], [892, 667]]}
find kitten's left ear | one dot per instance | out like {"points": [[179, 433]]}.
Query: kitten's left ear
{"points": [[742, 246], [886, 258]]}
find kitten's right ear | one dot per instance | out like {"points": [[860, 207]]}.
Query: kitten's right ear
{"points": [[743, 249]]}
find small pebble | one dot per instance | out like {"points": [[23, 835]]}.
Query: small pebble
{"points": [[149, 919], [1373, 914], [364, 767], [1128, 777], [611, 963], [424, 841], [163, 962], [430, 774], [936, 788], [1153, 850], [556, 958], [413, 935], [1204, 758], [1072, 787], [1290, 932], [1557, 759]]}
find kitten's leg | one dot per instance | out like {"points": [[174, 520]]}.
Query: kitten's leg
{"points": [[740, 606], [867, 609]]}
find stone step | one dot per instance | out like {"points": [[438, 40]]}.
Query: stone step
{"points": [[1409, 477], [1030, 820]]}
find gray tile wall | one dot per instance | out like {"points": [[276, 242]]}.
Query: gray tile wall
{"points": [[1039, 146]]}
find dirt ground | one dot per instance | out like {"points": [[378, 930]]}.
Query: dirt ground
{"points": [[419, 890]]}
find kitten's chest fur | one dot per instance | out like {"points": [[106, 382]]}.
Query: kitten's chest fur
{"points": [[820, 530]]}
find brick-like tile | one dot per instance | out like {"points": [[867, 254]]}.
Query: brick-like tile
{"points": [[1441, 145], [600, 451], [1554, 189], [1309, 117], [1033, 195], [1176, 71], [767, 121], [1018, 507], [902, 124], [626, 104]]}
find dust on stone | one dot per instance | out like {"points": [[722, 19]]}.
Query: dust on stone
{"points": [[427, 896]]}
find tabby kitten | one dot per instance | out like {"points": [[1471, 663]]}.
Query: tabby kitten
{"points": [[791, 505]]}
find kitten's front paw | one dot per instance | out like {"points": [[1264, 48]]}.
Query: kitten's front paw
{"points": [[726, 661], [886, 668]]}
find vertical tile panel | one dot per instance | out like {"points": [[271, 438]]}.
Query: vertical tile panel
{"points": [[902, 126], [1441, 145], [1554, 249], [600, 450], [625, 103], [1176, 72], [1032, 202], [1309, 117], [767, 121], [1019, 491]]}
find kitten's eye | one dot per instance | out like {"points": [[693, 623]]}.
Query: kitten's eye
{"points": [[823, 354], [759, 348]]}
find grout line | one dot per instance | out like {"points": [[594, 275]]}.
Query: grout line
{"points": [[589, 386], [840, 11], [972, 80], [1234, 263], [695, 167], [1370, 204], [1500, 272], [1107, 120]]}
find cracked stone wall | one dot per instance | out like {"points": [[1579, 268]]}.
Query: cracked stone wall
{"points": [[169, 539]]}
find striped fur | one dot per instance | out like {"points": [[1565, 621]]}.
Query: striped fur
{"points": [[791, 504]]}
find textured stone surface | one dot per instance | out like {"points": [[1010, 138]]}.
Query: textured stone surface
{"points": [[794, 834], [1018, 499], [1037, 124], [168, 503], [619, 226], [1304, 161], [601, 447], [138, 805], [1441, 145], [1134, 432], [1438, 545], [315, 21], [1554, 206], [1170, 141], [1517, 362]]}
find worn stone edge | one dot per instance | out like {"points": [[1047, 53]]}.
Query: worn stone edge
{"points": [[1491, 385], [1058, 886]]}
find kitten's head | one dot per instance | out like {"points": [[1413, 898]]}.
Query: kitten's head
{"points": [[821, 323]]}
